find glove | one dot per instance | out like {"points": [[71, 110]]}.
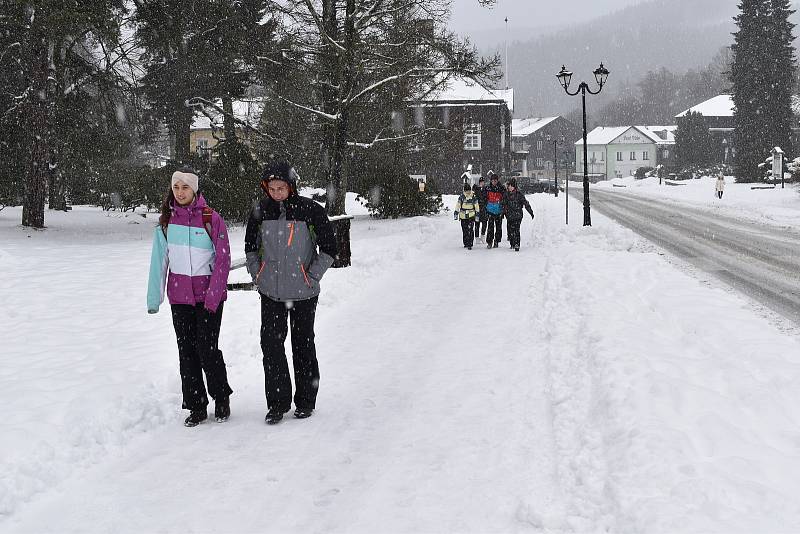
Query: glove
{"points": [[152, 311], [532, 217]]}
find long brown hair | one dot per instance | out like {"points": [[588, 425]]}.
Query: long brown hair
{"points": [[166, 210]]}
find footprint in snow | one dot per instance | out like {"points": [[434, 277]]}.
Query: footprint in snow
{"points": [[325, 498]]}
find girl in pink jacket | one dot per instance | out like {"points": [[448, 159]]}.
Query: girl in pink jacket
{"points": [[191, 257]]}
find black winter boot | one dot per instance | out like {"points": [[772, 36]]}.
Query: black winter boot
{"points": [[302, 413], [195, 417], [273, 416], [222, 409]]}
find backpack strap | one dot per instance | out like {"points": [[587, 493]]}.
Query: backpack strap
{"points": [[207, 214]]}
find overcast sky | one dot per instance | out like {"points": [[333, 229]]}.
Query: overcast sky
{"points": [[468, 16]]}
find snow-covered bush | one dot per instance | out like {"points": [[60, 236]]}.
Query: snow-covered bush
{"points": [[642, 172], [396, 195]]}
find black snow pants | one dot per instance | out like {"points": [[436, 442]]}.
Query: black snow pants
{"points": [[495, 232], [467, 226], [480, 224], [300, 315], [197, 331], [513, 231]]}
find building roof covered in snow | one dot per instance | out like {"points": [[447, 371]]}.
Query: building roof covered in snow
{"points": [[248, 111], [604, 135], [719, 106], [661, 134], [462, 91], [525, 127]]}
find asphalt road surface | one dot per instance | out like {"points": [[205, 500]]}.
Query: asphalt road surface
{"points": [[759, 260]]}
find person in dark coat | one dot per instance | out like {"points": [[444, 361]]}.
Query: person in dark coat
{"points": [[289, 243], [494, 209], [467, 209], [479, 191], [513, 204]]}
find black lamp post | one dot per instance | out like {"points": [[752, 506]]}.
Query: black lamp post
{"points": [[556, 142], [600, 76]]}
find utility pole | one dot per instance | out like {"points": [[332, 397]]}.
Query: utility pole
{"points": [[506, 53]]}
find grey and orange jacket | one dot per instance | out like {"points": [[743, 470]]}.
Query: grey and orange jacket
{"points": [[289, 246], [191, 261]]}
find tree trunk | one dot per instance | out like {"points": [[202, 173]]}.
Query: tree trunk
{"points": [[227, 121], [38, 166], [344, 68], [338, 176], [181, 128], [57, 199]]}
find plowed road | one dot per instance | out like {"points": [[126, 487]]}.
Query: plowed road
{"points": [[759, 260]]}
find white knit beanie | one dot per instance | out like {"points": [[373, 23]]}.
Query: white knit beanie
{"points": [[188, 178]]}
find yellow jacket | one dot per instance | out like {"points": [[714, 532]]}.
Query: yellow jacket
{"points": [[467, 205]]}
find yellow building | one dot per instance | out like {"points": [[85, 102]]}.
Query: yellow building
{"points": [[207, 130]]}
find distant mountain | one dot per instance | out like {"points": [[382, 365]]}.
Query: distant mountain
{"points": [[676, 34]]}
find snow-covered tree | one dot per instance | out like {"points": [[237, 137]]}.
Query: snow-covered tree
{"points": [[56, 57], [195, 52], [364, 57], [762, 75]]}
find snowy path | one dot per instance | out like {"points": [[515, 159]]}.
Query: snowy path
{"points": [[407, 377], [582, 385]]}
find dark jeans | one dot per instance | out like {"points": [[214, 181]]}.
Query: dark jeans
{"points": [[513, 231], [277, 384], [495, 232], [197, 331], [467, 226], [480, 224]]}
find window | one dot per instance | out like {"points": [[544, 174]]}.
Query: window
{"points": [[633, 156], [619, 156], [472, 136], [602, 156], [202, 144], [539, 144], [665, 154], [646, 155], [539, 162]]}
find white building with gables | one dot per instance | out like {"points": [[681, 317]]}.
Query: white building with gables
{"points": [[620, 150]]}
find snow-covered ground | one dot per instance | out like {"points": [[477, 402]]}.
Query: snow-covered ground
{"points": [[584, 384], [778, 206]]}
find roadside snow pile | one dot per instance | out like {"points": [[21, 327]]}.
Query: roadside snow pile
{"points": [[778, 207]]}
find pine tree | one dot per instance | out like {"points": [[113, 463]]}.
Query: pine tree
{"points": [[692, 141], [198, 51], [762, 75]]}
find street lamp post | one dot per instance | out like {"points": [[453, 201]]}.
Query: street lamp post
{"points": [[556, 142], [600, 76]]}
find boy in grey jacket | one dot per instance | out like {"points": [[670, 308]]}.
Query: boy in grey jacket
{"points": [[289, 245]]}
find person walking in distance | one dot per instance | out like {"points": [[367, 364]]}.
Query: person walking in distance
{"points": [[513, 204], [479, 190], [467, 209], [191, 256], [719, 187], [289, 244], [494, 209]]}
